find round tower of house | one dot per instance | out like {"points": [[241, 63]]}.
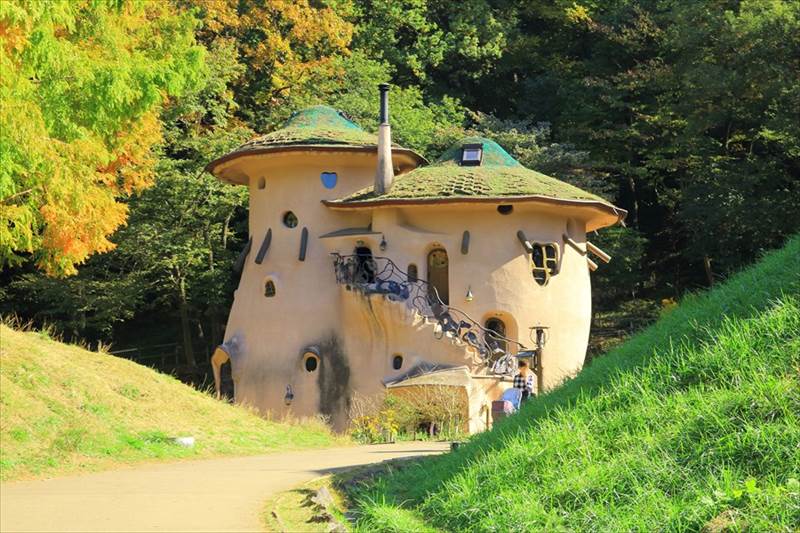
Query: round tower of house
{"points": [[283, 333]]}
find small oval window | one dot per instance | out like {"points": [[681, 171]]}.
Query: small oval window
{"points": [[269, 289], [397, 362], [328, 179], [311, 363], [262, 182], [505, 209], [290, 220]]}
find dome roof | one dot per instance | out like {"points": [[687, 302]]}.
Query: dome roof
{"points": [[498, 176], [317, 128]]}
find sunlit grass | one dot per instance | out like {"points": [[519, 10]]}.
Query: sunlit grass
{"points": [[693, 423], [66, 409]]}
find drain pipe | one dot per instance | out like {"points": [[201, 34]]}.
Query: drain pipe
{"points": [[384, 175]]}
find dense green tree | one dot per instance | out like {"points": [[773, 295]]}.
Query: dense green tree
{"points": [[81, 87]]}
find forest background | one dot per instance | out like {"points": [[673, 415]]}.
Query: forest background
{"points": [[685, 113]]}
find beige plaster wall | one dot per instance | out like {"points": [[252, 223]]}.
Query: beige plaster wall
{"points": [[359, 335]]}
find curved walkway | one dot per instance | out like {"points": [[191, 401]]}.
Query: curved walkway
{"points": [[217, 495]]}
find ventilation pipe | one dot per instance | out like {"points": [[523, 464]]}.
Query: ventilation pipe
{"points": [[384, 176]]}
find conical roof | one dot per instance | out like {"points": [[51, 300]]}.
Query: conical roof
{"points": [[498, 177], [319, 128]]}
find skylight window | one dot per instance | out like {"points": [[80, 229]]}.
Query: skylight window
{"points": [[471, 154]]}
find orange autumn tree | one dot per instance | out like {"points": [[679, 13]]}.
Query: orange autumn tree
{"points": [[282, 43], [81, 86]]}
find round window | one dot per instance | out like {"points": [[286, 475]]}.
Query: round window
{"points": [[397, 362], [505, 209], [290, 220]]}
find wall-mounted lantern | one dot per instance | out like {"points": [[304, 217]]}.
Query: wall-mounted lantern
{"points": [[287, 399], [383, 244], [469, 296]]}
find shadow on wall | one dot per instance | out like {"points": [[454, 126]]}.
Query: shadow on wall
{"points": [[334, 383]]}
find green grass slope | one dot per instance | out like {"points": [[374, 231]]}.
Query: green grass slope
{"points": [[693, 424], [63, 409]]}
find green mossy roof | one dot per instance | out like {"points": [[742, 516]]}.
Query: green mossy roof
{"points": [[499, 175], [314, 125]]}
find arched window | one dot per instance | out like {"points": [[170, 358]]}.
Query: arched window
{"points": [[496, 330], [328, 179], [505, 209], [290, 220], [413, 274], [438, 274], [269, 288], [545, 262], [397, 361]]}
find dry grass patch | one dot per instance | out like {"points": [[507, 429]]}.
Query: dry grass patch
{"points": [[66, 409]]}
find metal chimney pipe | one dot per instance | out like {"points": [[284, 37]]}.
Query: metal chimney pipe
{"points": [[384, 90], [384, 174]]}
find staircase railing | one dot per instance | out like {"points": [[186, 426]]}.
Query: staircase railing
{"points": [[380, 275]]}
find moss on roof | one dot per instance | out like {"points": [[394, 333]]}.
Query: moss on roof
{"points": [[314, 125], [499, 175]]}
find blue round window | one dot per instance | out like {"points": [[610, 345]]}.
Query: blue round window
{"points": [[328, 179]]}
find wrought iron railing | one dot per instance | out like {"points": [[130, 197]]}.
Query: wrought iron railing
{"points": [[380, 275]]}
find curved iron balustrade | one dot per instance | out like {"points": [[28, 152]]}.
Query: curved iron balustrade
{"points": [[380, 275]]}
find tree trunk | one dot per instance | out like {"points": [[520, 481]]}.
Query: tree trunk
{"points": [[183, 307], [709, 272]]}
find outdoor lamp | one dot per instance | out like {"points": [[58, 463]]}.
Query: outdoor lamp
{"points": [[289, 395], [469, 296], [382, 245]]}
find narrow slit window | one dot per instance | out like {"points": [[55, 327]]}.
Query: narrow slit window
{"points": [[262, 182]]}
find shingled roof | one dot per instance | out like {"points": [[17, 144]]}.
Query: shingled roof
{"points": [[499, 177], [318, 127]]}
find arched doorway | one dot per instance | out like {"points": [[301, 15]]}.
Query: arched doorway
{"points": [[365, 267], [438, 273], [496, 330]]}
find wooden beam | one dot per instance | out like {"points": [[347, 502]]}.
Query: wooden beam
{"points": [[264, 247], [574, 244], [303, 244], [604, 257], [525, 242], [592, 264]]}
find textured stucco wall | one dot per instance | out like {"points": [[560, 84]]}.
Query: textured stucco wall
{"points": [[357, 335]]}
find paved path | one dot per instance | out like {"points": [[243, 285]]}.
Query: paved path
{"points": [[210, 495]]}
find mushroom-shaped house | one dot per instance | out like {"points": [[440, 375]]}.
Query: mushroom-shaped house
{"points": [[369, 271]]}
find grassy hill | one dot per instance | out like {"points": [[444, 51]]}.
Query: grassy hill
{"points": [[63, 408], [693, 424]]}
